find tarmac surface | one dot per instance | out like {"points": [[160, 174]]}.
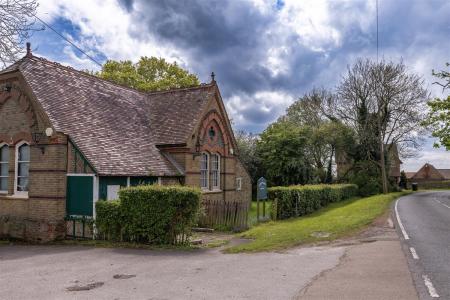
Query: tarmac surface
{"points": [[69, 272], [425, 234]]}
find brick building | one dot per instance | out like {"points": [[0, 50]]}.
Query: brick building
{"points": [[428, 173], [68, 139]]}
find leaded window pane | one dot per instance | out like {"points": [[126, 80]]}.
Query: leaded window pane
{"points": [[3, 183], [22, 184], [24, 153], [204, 171]]}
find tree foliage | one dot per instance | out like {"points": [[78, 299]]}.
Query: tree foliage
{"points": [[438, 119], [148, 74], [284, 152], [248, 155], [16, 25]]}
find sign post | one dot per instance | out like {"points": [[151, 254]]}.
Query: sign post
{"points": [[261, 194]]}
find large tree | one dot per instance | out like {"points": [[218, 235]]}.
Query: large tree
{"points": [[16, 24], [385, 104], [284, 152], [148, 74], [328, 134], [438, 119]]}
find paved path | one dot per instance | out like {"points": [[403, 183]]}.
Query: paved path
{"points": [[47, 272], [425, 231], [375, 268]]}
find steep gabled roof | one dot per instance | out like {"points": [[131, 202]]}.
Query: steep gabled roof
{"points": [[115, 127]]}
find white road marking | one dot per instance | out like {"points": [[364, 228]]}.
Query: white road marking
{"points": [[413, 253], [405, 235], [441, 203], [430, 287]]}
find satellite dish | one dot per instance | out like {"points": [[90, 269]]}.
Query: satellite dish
{"points": [[49, 132]]}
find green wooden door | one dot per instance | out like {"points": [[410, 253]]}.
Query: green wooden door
{"points": [[80, 195]]}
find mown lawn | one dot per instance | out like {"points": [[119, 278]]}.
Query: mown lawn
{"points": [[337, 220]]}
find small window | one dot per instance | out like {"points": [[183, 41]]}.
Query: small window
{"points": [[238, 184], [4, 168], [23, 167], [112, 192], [204, 171], [215, 171]]}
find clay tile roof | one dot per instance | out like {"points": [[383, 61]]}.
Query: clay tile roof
{"points": [[115, 127], [410, 175], [445, 173]]}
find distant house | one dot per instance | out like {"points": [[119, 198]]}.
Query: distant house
{"points": [[69, 139], [344, 164], [428, 173]]}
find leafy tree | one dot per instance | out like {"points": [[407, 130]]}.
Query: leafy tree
{"points": [[148, 74], [17, 19], [284, 154], [248, 155], [438, 118], [314, 110]]}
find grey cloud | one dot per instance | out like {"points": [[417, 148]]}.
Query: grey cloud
{"points": [[232, 39]]}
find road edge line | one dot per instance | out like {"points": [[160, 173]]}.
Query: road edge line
{"points": [[413, 253], [430, 287], [402, 228]]}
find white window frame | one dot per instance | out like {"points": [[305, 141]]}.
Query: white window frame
{"points": [[206, 171], [6, 163], [16, 173], [215, 173], [238, 183]]}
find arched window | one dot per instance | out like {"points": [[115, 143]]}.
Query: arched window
{"points": [[22, 167], [4, 167], [215, 171], [204, 171]]}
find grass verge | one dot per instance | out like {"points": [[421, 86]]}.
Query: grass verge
{"points": [[252, 214], [337, 219]]}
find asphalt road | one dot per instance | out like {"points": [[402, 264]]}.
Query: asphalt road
{"points": [[70, 272], [424, 227]]}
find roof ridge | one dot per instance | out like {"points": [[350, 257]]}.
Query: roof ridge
{"points": [[194, 87], [70, 68]]}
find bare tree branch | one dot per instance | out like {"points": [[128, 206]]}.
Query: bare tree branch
{"points": [[17, 23]]}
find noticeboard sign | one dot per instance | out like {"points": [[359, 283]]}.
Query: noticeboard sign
{"points": [[261, 189]]}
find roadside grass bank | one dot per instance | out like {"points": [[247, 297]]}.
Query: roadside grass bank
{"points": [[329, 223], [252, 214]]}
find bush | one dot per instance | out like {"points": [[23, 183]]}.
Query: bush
{"points": [[108, 220], [298, 200], [149, 214]]}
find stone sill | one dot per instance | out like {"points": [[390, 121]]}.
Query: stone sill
{"points": [[211, 191], [13, 197]]}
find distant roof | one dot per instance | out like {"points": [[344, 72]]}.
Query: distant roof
{"points": [[115, 127], [445, 173], [410, 175]]}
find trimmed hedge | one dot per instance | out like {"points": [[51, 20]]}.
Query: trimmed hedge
{"points": [[149, 214], [299, 200]]}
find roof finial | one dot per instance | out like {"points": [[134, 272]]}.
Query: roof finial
{"points": [[212, 77], [29, 50]]}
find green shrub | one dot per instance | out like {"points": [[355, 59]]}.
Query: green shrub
{"points": [[150, 214], [299, 200], [109, 219]]}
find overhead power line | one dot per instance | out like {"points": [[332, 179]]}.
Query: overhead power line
{"points": [[67, 40]]}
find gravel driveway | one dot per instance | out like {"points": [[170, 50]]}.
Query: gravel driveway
{"points": [[71, 272]]}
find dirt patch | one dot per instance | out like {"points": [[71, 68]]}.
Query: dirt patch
{"points": [[86, 287]]}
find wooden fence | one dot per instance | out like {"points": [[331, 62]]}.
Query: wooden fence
{"points": [[224, 214]]}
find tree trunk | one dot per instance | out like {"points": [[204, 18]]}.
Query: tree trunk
{"points": [[383, 164]]}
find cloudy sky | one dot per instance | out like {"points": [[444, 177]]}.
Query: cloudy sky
{"points": [[265, 53]]}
